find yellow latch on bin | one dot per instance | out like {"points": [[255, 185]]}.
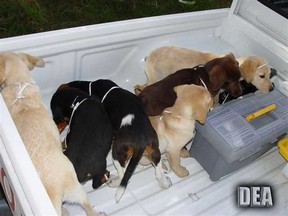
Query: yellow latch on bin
{"points": [[283, 148], [260, 112]]}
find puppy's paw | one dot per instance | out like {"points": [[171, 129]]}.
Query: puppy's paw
{"points": [[138, 88], [144, 161], [64, 212], [184, 153], [165, 183], [113, 181], [102, 214], [165, 168], [181, 171]]}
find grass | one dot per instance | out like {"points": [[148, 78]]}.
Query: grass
{"points": [[20, 17]]}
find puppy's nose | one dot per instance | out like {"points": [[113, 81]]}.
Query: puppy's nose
{"points": [[236, 92], [271, 87], [202, 119]]}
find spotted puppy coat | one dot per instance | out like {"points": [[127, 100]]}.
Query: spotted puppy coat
{"points": [[134, 134]]}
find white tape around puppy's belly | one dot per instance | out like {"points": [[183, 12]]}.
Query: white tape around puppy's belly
{"points": [[127, 120]]}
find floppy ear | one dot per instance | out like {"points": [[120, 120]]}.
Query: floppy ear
{"points": [[248, 70], [178, 110], [201, 115], [217, 77], [231, 55], [179, 88], [31, 61], [205, 103]]}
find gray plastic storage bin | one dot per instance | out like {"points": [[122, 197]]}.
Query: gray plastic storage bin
{"points": [[227, 142]]}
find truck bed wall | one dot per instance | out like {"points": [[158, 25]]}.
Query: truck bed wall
{"points": [[112, 50]]}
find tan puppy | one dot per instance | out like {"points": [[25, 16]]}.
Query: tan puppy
{"points": [[255, 70], [175, 128], [38, 131], [168, 59]]}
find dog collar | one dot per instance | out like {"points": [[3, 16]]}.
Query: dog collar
{"points": [[4, 85], [74, 106], [203, 83], [225, 98], [114, 87], [263, 65], [201, 65], [177, 116], [22, 87], [90, 91]]}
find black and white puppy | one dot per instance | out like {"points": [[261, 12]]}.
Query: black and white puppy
{"points": [[89, 136], [134, 134]]}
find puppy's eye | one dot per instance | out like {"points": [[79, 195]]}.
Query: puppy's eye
{"points": [[262, 76]]}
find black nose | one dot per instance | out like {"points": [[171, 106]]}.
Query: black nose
{"points": [[271, 87]]}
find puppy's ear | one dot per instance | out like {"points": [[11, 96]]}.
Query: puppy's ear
{"points": [[217, 77], [179, 88], [231, 55], [248, 69], [63, 86], [205, 102], [201, 116], [31, 61], [210, 102]]}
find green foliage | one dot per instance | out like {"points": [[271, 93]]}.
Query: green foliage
{"points": [[19, 17]]}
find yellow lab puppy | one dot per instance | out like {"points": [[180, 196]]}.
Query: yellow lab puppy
{"points": [[175, 128], [168, 59], [38, 131], [255, 70]]}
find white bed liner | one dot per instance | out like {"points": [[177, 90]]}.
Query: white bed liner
{"points": [[196, 194], [116, 51]]}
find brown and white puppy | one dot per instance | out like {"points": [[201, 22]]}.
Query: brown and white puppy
{"points": [[167, 59], [39, 132], [175, 127], [219, 73]]}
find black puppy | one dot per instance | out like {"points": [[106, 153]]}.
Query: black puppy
{"points": [[89, 137], [134, 134]]}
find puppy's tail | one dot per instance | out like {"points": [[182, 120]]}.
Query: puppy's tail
{"points": [[128, 173]]}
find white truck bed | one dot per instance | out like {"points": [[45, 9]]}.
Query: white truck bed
{"points": [[196, 194], [116, 51]]}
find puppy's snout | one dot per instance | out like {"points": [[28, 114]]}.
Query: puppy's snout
{"points": [[202, 119], [271, 87], [237, 93], [235, 89], [202, 122], [61, 126]]}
